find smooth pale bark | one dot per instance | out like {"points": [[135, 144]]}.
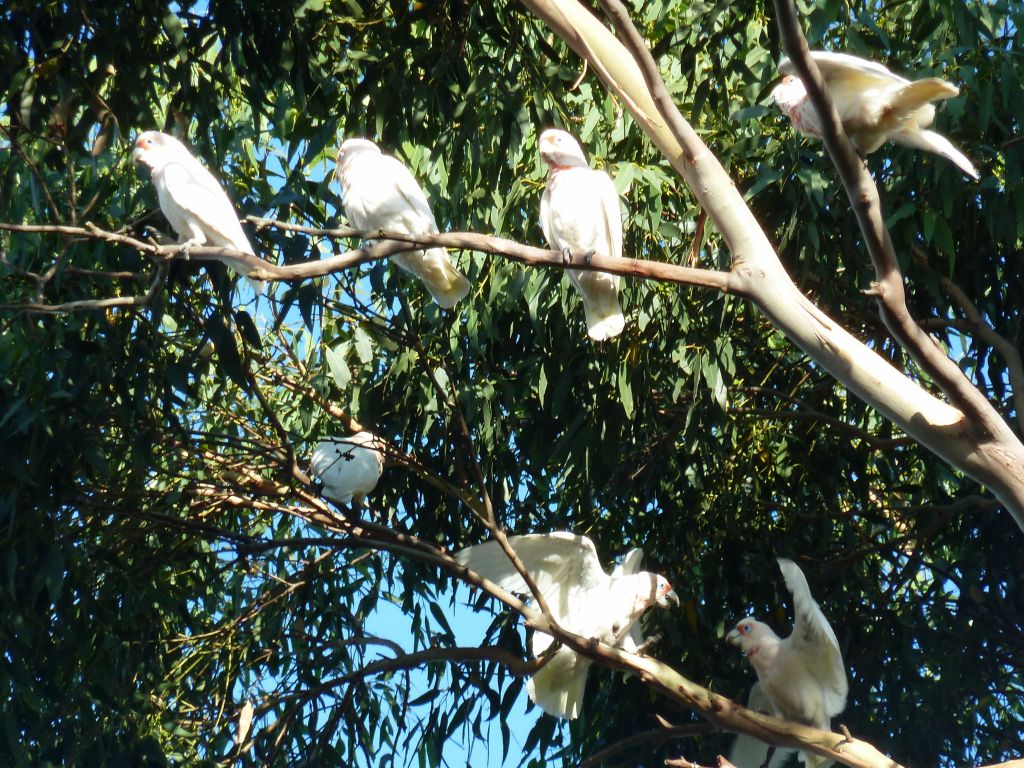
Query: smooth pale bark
{"points": [[990, 452]]}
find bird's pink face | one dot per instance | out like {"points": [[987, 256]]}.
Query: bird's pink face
{"points": [[559, 150], [663, 593], [145, 145], [789, 93], [747, 635]]}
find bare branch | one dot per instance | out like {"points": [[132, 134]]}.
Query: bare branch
{"points": [[391, 243], [975, 324], [155, 286]]}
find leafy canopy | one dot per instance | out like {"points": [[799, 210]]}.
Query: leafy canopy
{"points": [[155, 571]]}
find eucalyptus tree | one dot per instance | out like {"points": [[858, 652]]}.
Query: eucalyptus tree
{"points": [[803, 374]]}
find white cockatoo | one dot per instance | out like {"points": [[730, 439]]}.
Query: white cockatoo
{"points": [[874, 104], [579, 213], [348, 467], [380, 193], [802, 676], [191, 199], [583, 599]]}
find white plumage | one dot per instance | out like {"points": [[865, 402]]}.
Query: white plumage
{"points": [[874, 105], [583, 599], [579, 212], [802, 676], [348, 467], [380, 193], [191, 199], [748, 752]]}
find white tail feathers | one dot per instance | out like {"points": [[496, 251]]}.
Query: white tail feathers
{"points": [[600, 292], [937, 143], [456, 289], [559, 686], [446, 284]]}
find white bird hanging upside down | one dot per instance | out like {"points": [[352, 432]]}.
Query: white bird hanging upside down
{"points": [[348, 467], [380, 193], [192, 200], [579, 213], [801, 676], [583, 599], [874, 105]]}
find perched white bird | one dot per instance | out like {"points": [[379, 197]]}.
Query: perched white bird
{"points": [[191, 199], [874, 104], [579, 213], [380, 193], [583, 599], [801, 676], [348, 467]]}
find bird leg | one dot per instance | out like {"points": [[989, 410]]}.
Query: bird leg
{"points": [[567, 255], [588, 257], [184, 246]]}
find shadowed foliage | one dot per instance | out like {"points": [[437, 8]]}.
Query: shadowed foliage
{"points": [[158, 563]]}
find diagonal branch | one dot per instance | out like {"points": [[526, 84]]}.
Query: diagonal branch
{"points": [[888, 287], [982, 446]]}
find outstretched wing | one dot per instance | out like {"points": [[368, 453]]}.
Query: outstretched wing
{"points": [[853, 70], [564, 566], [814, 639], [630, 564]]}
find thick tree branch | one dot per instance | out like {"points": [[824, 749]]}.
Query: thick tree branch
{"points": [[867, 206], [986, 449]]}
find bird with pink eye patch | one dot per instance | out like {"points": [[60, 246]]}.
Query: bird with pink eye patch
{"points": [[874, 105], [800, 677], [579, 213], [583, 599], [192, 200]]}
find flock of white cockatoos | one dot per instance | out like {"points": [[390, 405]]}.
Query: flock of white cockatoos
{"points": [[801, 677]]}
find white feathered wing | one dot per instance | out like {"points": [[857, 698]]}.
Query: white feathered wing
{"points": [[582, 597], [877, 105], [379, 192], [192, 200]]}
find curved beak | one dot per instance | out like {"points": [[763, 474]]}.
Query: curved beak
{"points": [[733, 637], [663, 600], [137, 151]]}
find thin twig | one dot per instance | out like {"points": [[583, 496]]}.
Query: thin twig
{"points": [[390, 243]]}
